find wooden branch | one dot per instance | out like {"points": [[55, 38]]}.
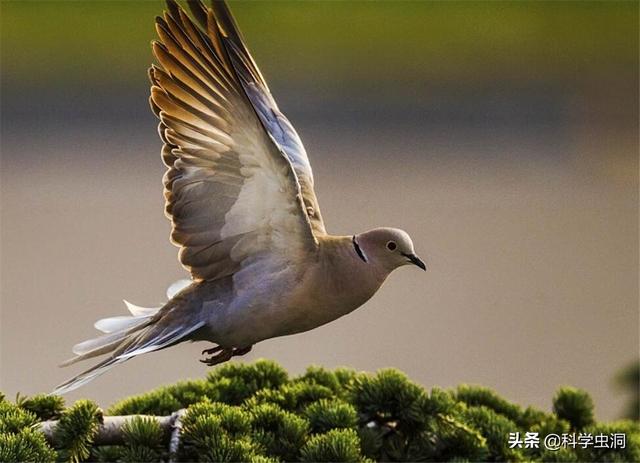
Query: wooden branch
{"points": [[174, 441], [110, 431]]}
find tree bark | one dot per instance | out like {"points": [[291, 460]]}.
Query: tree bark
{"points": [[110, 431]]}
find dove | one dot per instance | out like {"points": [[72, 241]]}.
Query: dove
{"points": [[239, 191]]}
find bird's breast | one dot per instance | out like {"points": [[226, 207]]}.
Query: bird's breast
{"points": [[297, 300], [328, 294]]}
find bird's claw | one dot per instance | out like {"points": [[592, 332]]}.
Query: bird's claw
{"points": [[221, 357], [213, 350], [222, 354]]}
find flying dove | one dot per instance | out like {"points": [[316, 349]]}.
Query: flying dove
{"points": [[239, 193]]}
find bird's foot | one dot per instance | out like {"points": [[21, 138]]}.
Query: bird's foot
{"points": [[213, 350], [220, 357], [222, 354], [241, 351]]}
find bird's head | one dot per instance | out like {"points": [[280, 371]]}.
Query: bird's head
{"points": [[388, 247]]}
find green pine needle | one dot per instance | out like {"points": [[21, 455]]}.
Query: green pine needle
{"points": [[575, 406], [44, 406], [337, 445], [256, 413], [76, 429]]}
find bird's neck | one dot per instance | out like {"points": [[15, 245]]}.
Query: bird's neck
{"points": [[346, 271]]}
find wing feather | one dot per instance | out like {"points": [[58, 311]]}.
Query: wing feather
{"points": [[234, 186], [274, 122]]}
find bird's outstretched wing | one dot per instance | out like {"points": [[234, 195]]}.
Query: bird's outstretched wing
{"points": [[239, 182]]}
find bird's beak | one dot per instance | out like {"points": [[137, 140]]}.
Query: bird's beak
{"points": [[415, 260]]}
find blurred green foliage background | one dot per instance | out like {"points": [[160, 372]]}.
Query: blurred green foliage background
{"points": [[59, 42]]}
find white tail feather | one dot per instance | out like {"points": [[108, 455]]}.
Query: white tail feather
{"points": [[124, 322], [89, 345], [128, 336], [138, 311], [87, 376], [108, 342], [162, 342]]}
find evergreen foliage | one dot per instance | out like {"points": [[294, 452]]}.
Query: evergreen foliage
{"points": [[629, 380], [76, 429], [256, 413], [143, 440], [324, 415], [339, 445], [19, 441], [574, 406], [45, 407]]}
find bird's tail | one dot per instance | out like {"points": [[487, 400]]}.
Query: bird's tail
{"points": [[145, 330]]}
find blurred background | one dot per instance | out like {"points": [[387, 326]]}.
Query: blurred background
{"points": [[502, 135]]}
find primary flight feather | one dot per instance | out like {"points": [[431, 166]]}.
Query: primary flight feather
{"points": [[239, 194]]}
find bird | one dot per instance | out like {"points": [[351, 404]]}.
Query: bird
{"points": [[239, 192]]}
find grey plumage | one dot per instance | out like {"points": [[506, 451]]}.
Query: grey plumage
{"points": [[239, 193]]}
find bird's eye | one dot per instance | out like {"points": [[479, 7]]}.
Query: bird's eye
{"points": [[391, 245]]}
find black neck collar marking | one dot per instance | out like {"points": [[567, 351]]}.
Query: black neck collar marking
{"points": [[358, 250]]}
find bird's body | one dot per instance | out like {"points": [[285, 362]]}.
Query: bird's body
{"points": [[239, 192], [291, 300]]}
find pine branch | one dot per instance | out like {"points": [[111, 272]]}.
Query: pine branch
{"points": [[176, 430], [111, 432], [255, 412]]}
